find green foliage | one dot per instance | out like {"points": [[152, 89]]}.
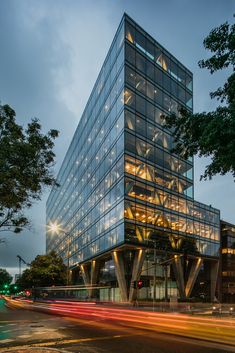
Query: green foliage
{"points": [[26, 161], [212, 134], [45, 270], [5, 278]]}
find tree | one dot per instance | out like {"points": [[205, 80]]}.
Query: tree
{"points": [[26, 161], [212, 133], [5, 277], [44, 271]]}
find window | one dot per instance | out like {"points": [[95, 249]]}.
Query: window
{"points": [[140, 41], [130, 54], [150, 90], [189, 82], [189, 100], [158, 76], [140, 105], [140, 62], [167, 82], [150, 70], [129, 98], [181, 75], [130, 33]]}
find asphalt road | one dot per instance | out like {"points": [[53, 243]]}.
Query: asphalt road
{"points": [[20, 327]]}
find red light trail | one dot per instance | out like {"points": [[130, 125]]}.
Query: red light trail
{"points": [[221, 330]]}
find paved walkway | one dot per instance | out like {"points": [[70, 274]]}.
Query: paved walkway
{"points": [[35, 350]]}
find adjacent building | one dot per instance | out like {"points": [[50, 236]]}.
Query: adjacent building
{"points": [[126, 202], [227, 283]]}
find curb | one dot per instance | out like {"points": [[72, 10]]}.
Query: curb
{"points": [[34, 350]]}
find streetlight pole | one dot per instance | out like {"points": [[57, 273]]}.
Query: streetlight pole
{"points": [[154, 273], [68, 250], [165, 264], [166, 282]]}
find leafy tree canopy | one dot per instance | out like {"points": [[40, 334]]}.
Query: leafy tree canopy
{"points": [[5, 277], [212, 133], [45, 270], [26, 160]]}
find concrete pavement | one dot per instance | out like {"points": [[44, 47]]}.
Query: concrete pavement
{"points": [[23, 330]]}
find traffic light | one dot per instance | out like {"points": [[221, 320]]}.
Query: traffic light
{"points": [[5, 286], [140, 283]]}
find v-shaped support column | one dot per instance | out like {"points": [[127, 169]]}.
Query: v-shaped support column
{"points": [[179, 275], [85, 274], [120, 274], [195, 268], [136, 272], [95, 269]]}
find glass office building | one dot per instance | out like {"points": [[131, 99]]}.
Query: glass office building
{"points": [[123, 192]]}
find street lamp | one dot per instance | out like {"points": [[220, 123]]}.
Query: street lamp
{"points": [[56, 228]]}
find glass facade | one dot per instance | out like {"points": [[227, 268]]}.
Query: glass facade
{"points": [[159, 200], [120, 183], [89, 202]]}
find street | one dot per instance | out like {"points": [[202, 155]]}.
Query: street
{"points": [[91, 332]]}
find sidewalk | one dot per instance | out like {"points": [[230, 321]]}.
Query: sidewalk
{"points": [[34, 350]]}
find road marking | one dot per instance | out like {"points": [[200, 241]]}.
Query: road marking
{"points": [[65, 342], [6, 341], [16, 321], [89, 339]]}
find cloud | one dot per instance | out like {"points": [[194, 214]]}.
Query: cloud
{"points": [[51, 54]]}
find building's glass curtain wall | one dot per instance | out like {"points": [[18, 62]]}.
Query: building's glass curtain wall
{"points": [[89, 202], [121, 186], [159, 184]]}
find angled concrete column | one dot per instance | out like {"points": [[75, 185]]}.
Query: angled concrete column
{"points": [[95, 269], [136, 271], [85, 275], [120, 274], [179, 275], [214, 268], [196, 266]]}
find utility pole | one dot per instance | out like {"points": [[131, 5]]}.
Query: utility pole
{"points": [[20, 262]]}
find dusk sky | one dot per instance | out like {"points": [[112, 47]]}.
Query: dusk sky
{"points": [[51, 54]]}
